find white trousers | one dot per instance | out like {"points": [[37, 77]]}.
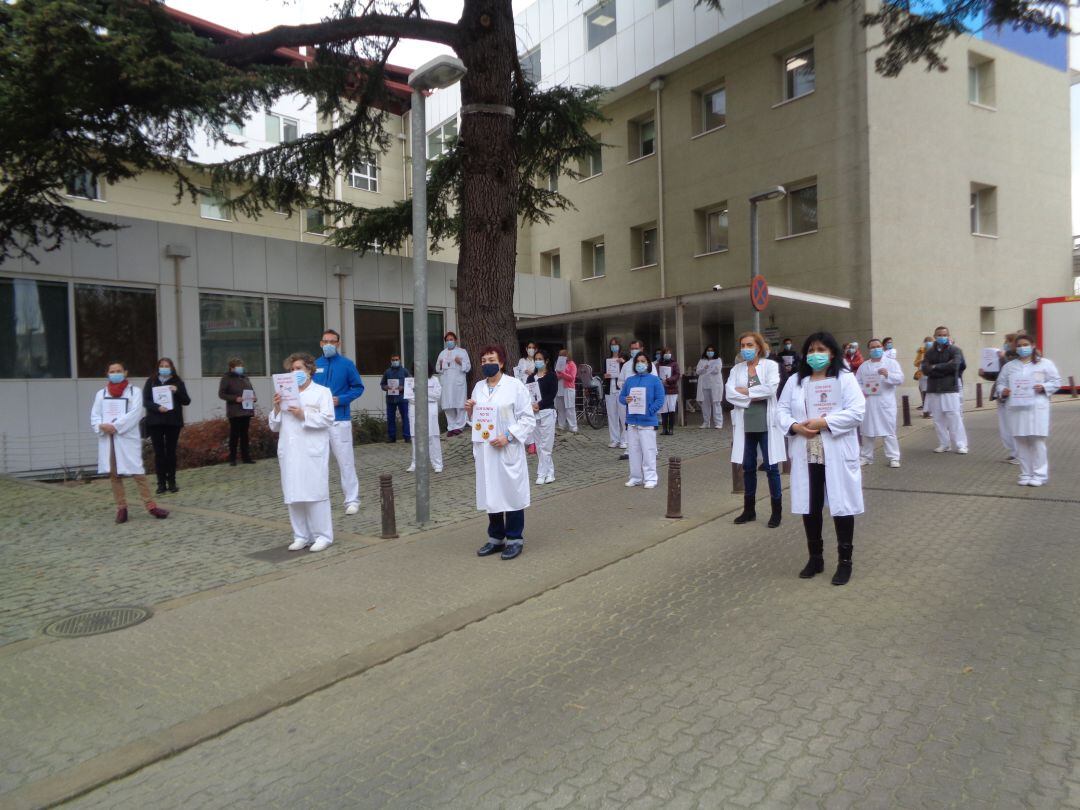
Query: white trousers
{"points": [[1031, 450], [456, 418], [311, 520], [341, 442], [1003, 428], [642, 450], [544, 435], [712, 412], [892, 447], [434, 452], [949, 424], [614, 419], [566, 409]]}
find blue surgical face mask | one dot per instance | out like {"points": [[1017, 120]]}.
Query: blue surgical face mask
{"points": [[238, 370], [667, 356], [539, 364], [329, 350], [941, 340], [640, 368], [787, 347], [818, 360], [301, 378], [877, 354], [710, 354], [164, 372], [614, 348], [888, 347], [928, 344], [450, 344], [1025, 351], [490, 369], [395, 363], [116, 379], [530, 351], [656, 356], [635, 352], [748, 354]]}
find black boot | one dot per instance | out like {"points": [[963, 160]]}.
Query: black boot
{"points": [[777, 509], [160, 485], [816, 563], [748, 512], [843, 568], [171, 483]]}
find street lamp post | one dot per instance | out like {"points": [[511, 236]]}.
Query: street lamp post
{"points": [[774, 193], [442, 71]]}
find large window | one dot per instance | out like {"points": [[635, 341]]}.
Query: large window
{"points": [[212, 206], [280, 129], [315, 221], [83, 184], [802, 209], [365, 177], [600, 24], [378, 335], [440, 138], [435, 331], [295, 326], [34, 336], [232, 326], [115, 323], [530, 65], [799, 76]]}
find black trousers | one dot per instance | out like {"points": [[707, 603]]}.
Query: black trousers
{"points": [[238, 433], [164, 438], [845, 525]]}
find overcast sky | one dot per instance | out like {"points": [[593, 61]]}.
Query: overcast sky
{"points": [[258, 15]]}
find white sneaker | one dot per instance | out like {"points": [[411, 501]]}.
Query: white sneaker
{"points": [[651, 486], [941, 449], [550, 479], [894, 463], [411, 468], [613, 445], [574, 431], [865, 462], [438, 469], [622, 445], [298, 544], [1023, 482], [962, 451], [351, 509], [321, 544], [704, 426], [1035, 482], [1013, 460], [720, 427], [633, 483], [539, 481]]}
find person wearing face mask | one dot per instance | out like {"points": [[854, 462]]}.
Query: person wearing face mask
{"points": [[114, 418], [238, 394], [710, 374], [852, 356], [393, 383], [544, 435], [670, 380], [927, 345], [641, 421], [941, 365], [1026, 384], [890, 350], [878, 378], [502, 471], [453, 367], [788, 359], [164, 421], [611, 395], [338, 373], [821, 409], [304, 456], [752, 387], [566, 402], [524, 368], [627, 370], [1005, 354], [434, 442]]}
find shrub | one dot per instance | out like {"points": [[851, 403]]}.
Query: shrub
{"points": [[206, 443], [368, 428]]}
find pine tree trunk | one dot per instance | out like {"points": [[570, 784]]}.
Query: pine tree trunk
{"points": [[485, 279]]}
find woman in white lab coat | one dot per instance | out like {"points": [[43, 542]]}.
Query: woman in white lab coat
{"points": [[752, 388], [114, 417], [824, 449], [434, 389], [710, 388], [502, 473], [453, 367], [878, 377], [525, 367], [304, 456], [1026, 384]]}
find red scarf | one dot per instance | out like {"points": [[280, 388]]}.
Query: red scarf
{"points": [[116, 390]]}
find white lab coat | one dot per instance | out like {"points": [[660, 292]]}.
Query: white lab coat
{"points": [[127, 440], [525, 366], [304, 446], [434, 390], [880, 418], [769, 376], [843, 472], [710, 377], [1032, 419], [502, 473], [452, 377]]}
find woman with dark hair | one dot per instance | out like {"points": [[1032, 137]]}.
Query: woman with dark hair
{"points": [[544, 435], [1026, 384], [453, 366], [670, 379], [647, 392], [165, 420], [710, 385], [239, 408], [502, 421], [821, 408]]}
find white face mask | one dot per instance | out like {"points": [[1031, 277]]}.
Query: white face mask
{"points": [[530, 352]]}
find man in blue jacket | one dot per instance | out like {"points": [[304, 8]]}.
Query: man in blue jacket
{"points": [[393, 383], [339, 374]]}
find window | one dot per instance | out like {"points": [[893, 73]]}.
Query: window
{"points": [[84, 185], [643, 246], [600, 24], [441, 138], [435, 331], [802, 212], [648, 246], [365, 177], [530, 65], [378, 335], [34, 331], [592, 259], [592, 164], [115, 323], [713, 228], [642, 138], [232, 128], [711, 109], [212, 206], [294, 326], [987, 320], [232, 326], [280, 129], [981, 80], [553, 181], [551, 264], [983, 210], [315, 221], [799, 74]]}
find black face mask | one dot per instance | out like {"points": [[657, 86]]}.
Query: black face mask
{"points": [[490, 369]]}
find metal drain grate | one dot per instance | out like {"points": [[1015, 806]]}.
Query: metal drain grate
{"points": [[93, 622]]}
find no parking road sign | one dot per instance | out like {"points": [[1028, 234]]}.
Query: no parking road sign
{"points": [[759, 293]]}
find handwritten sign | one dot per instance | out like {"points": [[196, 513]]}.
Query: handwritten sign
{"points": [[484, 419], [534, 391], [989, 361], [162, 395], [635, 401], [410, 389], [823, 397], [285, 387], [113, 409], [247, 400], [612, 367]]}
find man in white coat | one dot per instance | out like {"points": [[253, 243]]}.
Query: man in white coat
{"points": [[878, 377], [303, 427], [453, 367]]}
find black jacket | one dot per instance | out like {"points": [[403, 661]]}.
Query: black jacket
{"points": [[155, 417], [942, 369], [233, 385]]}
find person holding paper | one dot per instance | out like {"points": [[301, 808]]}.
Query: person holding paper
{"points": [[642, 395], [710, 374], [627, 370], [878, 378], [453, 366], [164, 398], [525, 367], [941, 366], [752, 388], [612, 370], [1026, 384], [303, 430], [788, 360], [504, 422], [566, 401], [991, 371], [821, 409], [434, 389], [670, 374], [544, 435], [338, 373], [393, 383], [114, 417], [239, 395]]}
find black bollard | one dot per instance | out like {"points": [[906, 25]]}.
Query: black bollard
{"points": [[674, 487], [907, 410], [1072, 386], [978, 395], [386, 500]]}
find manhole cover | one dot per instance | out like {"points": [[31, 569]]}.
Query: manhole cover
{"points": [[93, 622]]}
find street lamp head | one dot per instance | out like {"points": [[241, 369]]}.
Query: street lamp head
{"points": [[442, 71], [774, 193]]}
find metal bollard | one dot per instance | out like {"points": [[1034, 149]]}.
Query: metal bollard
{"points": [[907, 410], [674, 487], [978, 395], [785, 467], [386, 501], [736, 478], [1072, 385]]}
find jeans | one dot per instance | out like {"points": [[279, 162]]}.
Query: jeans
{"points": [[507, 526], [238, 433], [751, 442], [393, 407]]}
